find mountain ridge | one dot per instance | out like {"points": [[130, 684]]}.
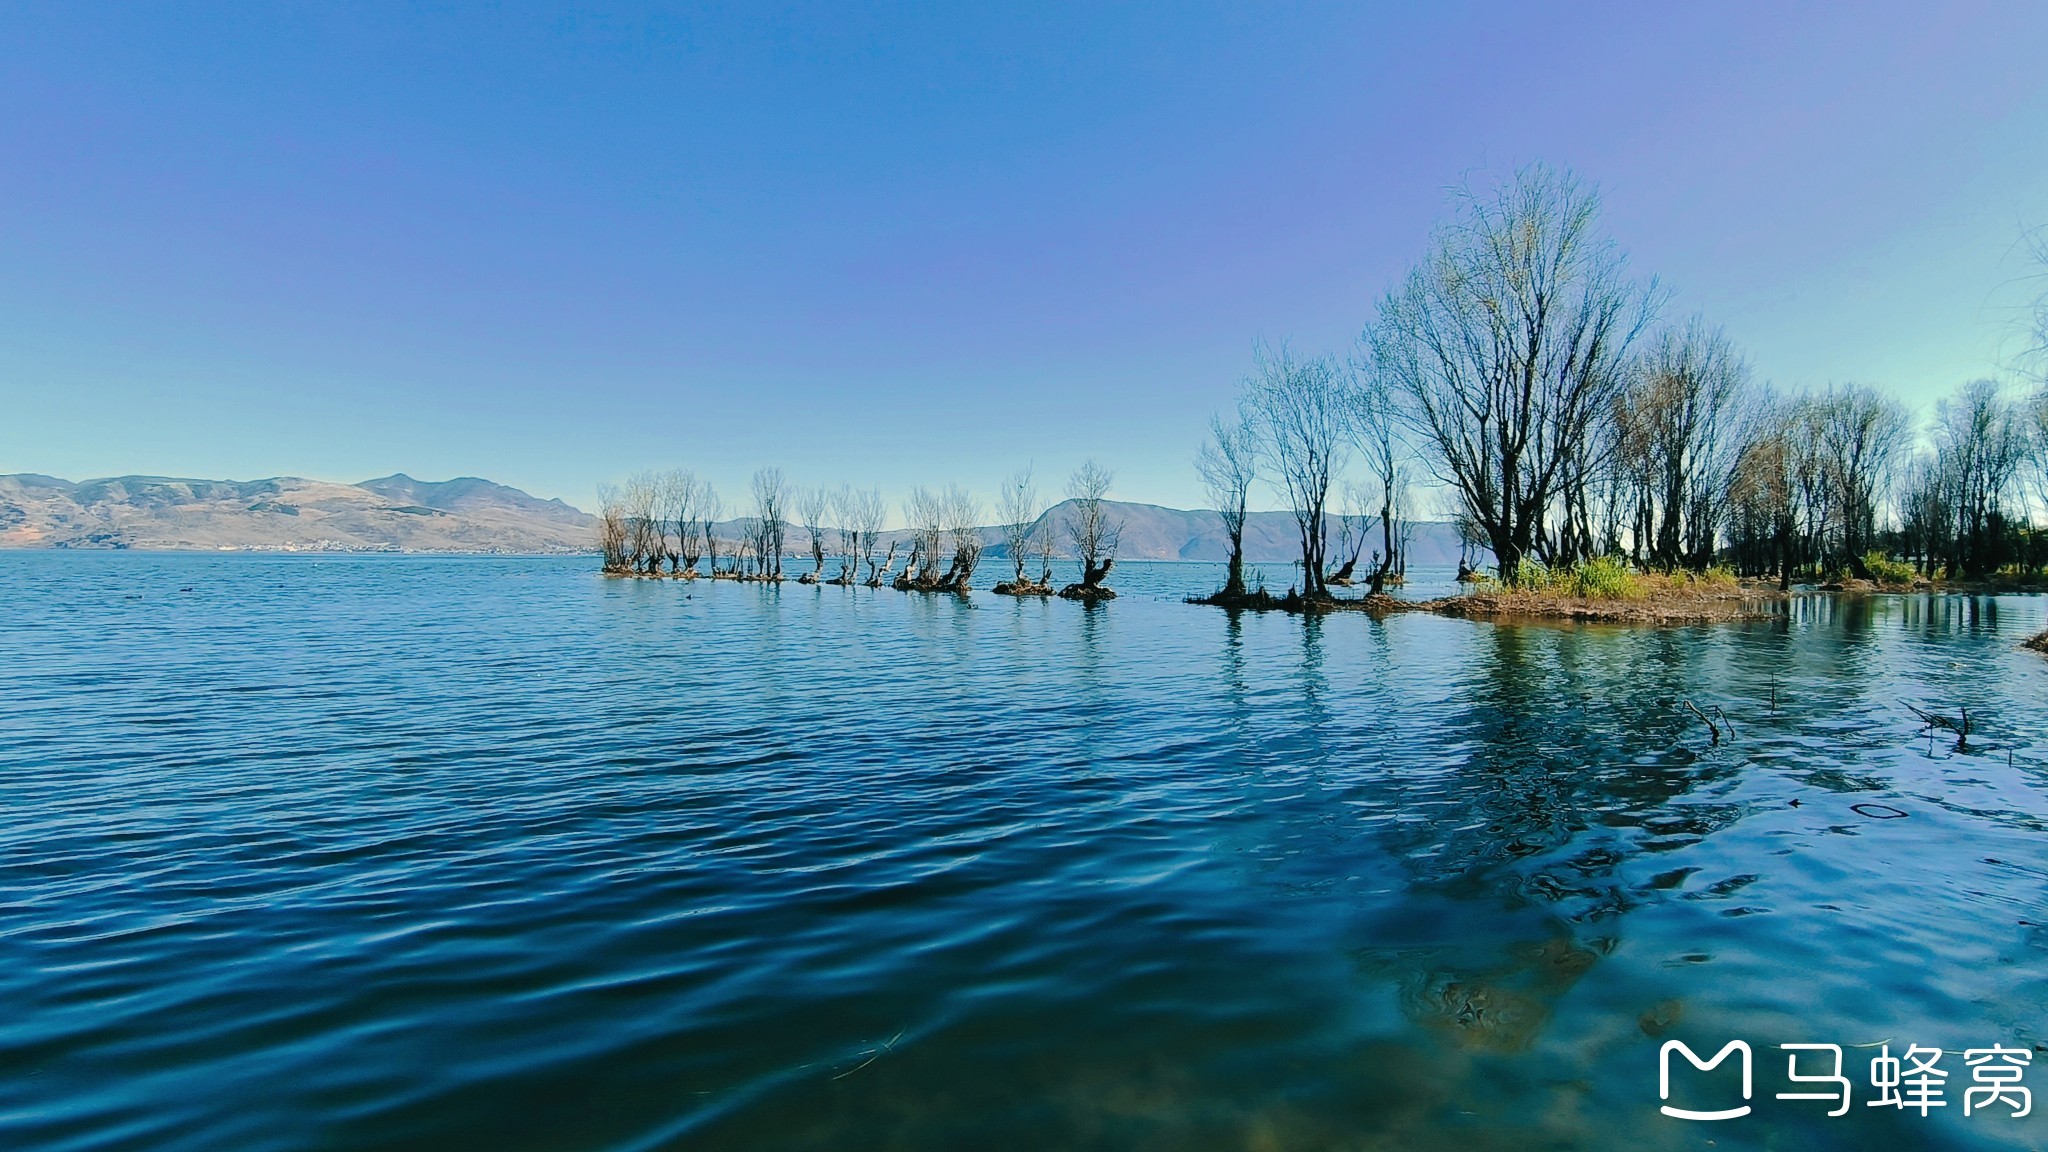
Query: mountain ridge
{"points": [[285, 513], [399, 513]]}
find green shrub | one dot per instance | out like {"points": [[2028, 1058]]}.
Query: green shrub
{"points": [[1887, 571]]}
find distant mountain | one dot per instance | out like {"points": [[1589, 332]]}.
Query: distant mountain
{"points": [[470, 495], [395, 513], [1151, 532], [1154, 533], [466, 514]]}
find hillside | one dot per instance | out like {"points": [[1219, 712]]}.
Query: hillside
{"points": [[1151, 532], [395, 513], [400, 514]]}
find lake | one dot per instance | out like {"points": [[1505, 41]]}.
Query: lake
{"points": [[424, 853]]}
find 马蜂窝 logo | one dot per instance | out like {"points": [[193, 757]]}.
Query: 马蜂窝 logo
{"points": [[1912, 1081], [1664, 1078]]}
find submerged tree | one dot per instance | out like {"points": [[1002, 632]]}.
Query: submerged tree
{"points": [[925, 513], [770, 528], [866, 510], [813, 508], [963, 532], [710, 507], [1510, 342], [1093, 531], [1018, 509], [1228, 463]]}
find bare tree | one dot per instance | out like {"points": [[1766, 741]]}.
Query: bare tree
{"points": [[770, 528], [1045, 542], [2035, 355], [1092, 529], [1777, 490], [1353, 524], [1675, 441], [813, 507], [1228, 463], [613, 535], [710, 506], [962, 512], [866, 510], [1304, 415], [844, 508], [925, 512], [1376, 422], [678, 497], [1861, 434], [1981, 443], [689, 525], [645, 530], [1510, 342], [1018, 508]]}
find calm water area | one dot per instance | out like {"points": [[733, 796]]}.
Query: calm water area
{"points": [[385, 852]]}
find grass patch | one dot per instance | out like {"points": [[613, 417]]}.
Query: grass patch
{"points": [[1610, 578]]}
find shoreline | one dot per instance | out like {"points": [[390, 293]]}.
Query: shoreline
{"points": [[1691, 607]]}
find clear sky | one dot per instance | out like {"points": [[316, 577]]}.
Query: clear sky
{"points": [[925, 243]]}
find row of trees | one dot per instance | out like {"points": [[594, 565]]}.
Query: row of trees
{"points": [[668, 523], [1528, 372]]}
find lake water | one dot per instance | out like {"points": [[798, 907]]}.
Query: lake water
{"points": [[420, 853]]}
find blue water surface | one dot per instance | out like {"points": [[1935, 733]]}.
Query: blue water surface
{"points": [[389, 852]]}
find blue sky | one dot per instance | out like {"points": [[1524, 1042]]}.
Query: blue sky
{"points": [[923, 243]]}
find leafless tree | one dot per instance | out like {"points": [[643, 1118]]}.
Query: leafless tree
{"points": [[842, 512], [1304, 411], [1018, 508], [865, 512], [813, 508], [1862, 433], [1228, 463], [710, 507], [645, 529], [1354, 522], [962, 512], [925, 512], [770, 527], [1761, 491], [613, 535], [678, 501], [1093, 530], [1675, 441], [1045, 542], [1981, 443], [2035, 355], [1510, 342], [1377, 423]]}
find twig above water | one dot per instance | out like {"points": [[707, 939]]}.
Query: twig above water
{"points": [[1713, 730]]}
